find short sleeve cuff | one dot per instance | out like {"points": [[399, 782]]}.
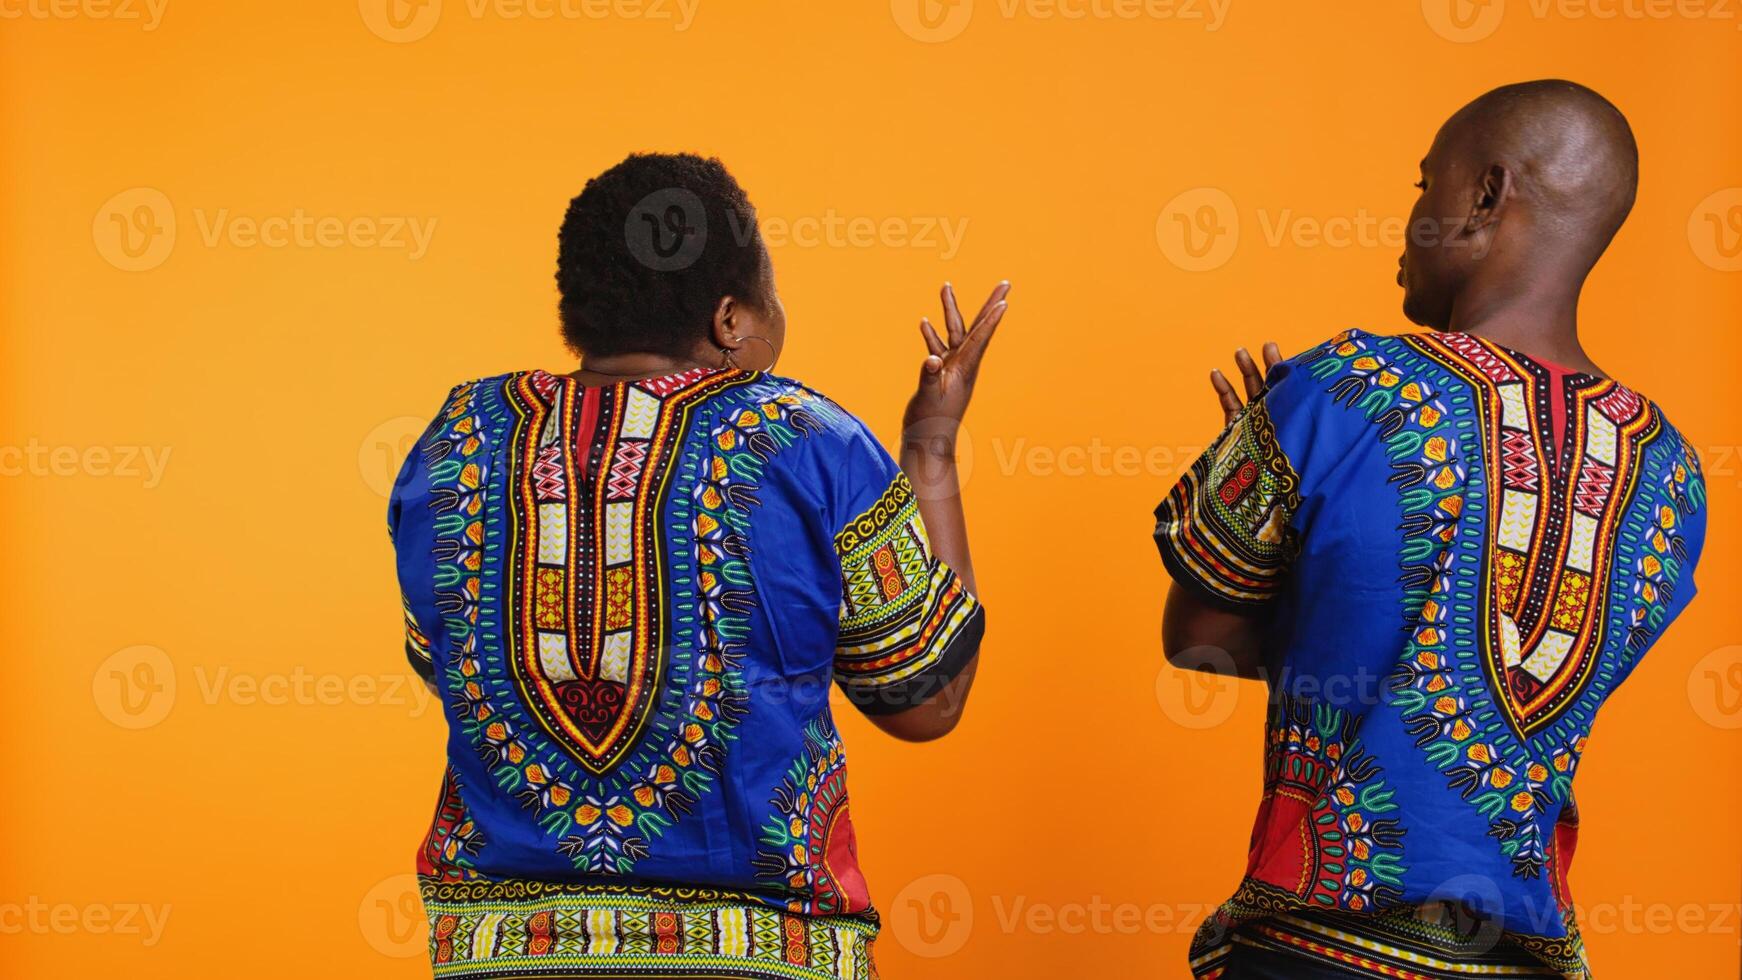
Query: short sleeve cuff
{"points": [[1225, 529], [945, 664], [908, 625]]}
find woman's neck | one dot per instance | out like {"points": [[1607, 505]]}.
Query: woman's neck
{"points": [[635, 366]]}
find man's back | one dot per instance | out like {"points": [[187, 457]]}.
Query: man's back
{"points": [[1461, 552]]}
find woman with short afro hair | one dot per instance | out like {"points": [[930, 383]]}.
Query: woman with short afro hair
{"points": [[632, 587]]}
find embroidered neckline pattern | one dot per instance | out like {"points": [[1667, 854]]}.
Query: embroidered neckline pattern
{"points": [[594, 599], [1553, 535], [587, 590], [1459, 684]]}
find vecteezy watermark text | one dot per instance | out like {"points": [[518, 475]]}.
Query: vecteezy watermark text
{"points": [[937, 21], [33, 916], [137, 230], [404, 21], [148, 14], [38, 459]]}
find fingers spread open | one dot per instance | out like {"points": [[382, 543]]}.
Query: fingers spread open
{"points": [[998, 294], [1249, 373], [1272, 355], [974, 347], [1225, 394], [933, 342], [953, 316]]}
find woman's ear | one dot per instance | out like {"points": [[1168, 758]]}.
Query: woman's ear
{"points": [[727, 313]]}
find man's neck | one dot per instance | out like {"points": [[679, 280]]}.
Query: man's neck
{"points": [[1541, 322]]}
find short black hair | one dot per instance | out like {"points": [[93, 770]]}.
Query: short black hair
{"points": [[647, 250]]}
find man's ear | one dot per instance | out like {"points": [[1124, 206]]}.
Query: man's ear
{"points": [[1493, 195]]}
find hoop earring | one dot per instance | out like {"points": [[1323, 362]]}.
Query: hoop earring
{"points": [[727, 360], [773, 355]]}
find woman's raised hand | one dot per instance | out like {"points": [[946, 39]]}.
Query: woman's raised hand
{"points": [[952, 363]]}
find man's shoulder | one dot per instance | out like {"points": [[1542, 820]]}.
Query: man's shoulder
{"points": [[1350, 368], [1679, 452], [1378, 372], [1351, 351], [1356, 349]]}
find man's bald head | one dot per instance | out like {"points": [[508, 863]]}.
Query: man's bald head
{"points": [[1528, 182], [1570, 150]]}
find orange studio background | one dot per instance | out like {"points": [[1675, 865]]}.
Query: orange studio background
{"points": [[247, 247]]}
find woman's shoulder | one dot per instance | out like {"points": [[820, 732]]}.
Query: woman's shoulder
{"points": [[764, 383], [820, 427], [777, 392], [758, 399], [473, 387]]}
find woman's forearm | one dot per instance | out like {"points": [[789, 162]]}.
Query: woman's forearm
{"points": [[930, 428], [929, 460], [930, 466]]}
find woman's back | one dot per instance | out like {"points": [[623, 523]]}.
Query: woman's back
{"points": [[632, 599]]}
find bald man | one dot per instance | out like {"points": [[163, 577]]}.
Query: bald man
{"points": [[1442, 551]]}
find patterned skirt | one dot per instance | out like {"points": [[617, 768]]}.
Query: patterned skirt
{"points": [[543, 931]]}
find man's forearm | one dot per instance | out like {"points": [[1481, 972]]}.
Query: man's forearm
{"points": [[1198, 636]]}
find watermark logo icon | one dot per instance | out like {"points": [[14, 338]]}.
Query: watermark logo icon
{"points": [[384, 450], [400, 21], [391, 918], [1199, 689], [1464, 21], [667, 230], [1199, 229], [134, 687], [1715, 688], [932, 21], [1715, 230], [134, 231], [947, 465], [933, 916]]}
